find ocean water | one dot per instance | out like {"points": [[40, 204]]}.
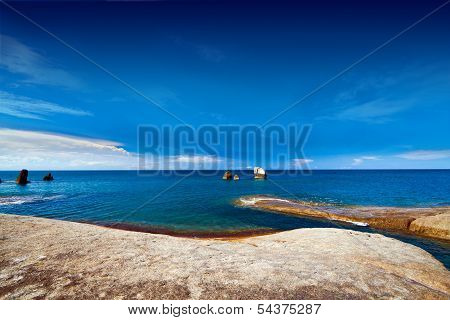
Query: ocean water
{"points": [[201, 203]]}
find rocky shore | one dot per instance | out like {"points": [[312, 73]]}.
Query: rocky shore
{"points": [[51, 259], [429, 222]]}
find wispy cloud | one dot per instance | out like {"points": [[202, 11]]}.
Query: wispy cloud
{"points": [[375, 111], [360, 160], [301, 162], [24, 107], [18, 58], [165, 96], [42, 150], [181, 162], [366, 87], [53, 151], [195, 159], [425, 154], [379, 97]]}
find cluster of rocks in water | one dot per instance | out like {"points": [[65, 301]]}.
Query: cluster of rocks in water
{"points": [[258, 173], [22, 178], [228, 176]]}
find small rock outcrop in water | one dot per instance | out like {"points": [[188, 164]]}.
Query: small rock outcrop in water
{"points": [[48, 177], [259, 173], [23, 177], [227, 175], [236, 177]]}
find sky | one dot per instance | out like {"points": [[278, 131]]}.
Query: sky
{"points": [[77, 80]]}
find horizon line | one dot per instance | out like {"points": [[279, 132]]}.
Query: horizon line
{"points": [[168, 170]]}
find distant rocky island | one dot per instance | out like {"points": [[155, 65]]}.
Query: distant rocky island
{"points": [[258, 173], [22, 178]]}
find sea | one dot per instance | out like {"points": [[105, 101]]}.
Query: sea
{"points": [[201, 204]]}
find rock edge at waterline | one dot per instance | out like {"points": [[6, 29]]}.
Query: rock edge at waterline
{"points": [[430, 222]]}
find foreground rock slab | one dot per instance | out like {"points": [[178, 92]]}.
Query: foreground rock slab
{"points": [[50, 259]]}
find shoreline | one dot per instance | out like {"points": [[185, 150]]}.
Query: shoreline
{"points": [[52, 259], [428, 222], [189, 234]]}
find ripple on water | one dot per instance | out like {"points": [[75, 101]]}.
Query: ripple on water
{"points": [[17, 200]]}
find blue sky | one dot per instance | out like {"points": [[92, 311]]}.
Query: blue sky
{"points": [[223, 63]]}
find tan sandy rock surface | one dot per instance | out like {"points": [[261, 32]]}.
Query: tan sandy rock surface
{"points": [[51, 259]]}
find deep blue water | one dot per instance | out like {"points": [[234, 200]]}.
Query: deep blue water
{"points": [[197, 202]]}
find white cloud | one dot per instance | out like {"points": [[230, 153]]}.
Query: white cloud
{"points": [[195, 159], [18, 58], [40, 150], [360, 160], [36, 150], [301, 162], [425, 154], [23, 107]]}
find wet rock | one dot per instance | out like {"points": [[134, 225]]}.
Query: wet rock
{"points": [[22, 178], [48, 177], [227, 175]]}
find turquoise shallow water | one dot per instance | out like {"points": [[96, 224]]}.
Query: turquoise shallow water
{"points": [[200, 202]]}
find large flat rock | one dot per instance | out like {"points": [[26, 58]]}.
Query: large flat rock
{"points": [[434, 226], [431, 222], [50, 259]]}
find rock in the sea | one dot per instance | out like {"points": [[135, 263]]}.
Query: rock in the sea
{"points": [[434, 226], [48, 177], [236, 177], [227, 175], [259, 173], [22, 178]]}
